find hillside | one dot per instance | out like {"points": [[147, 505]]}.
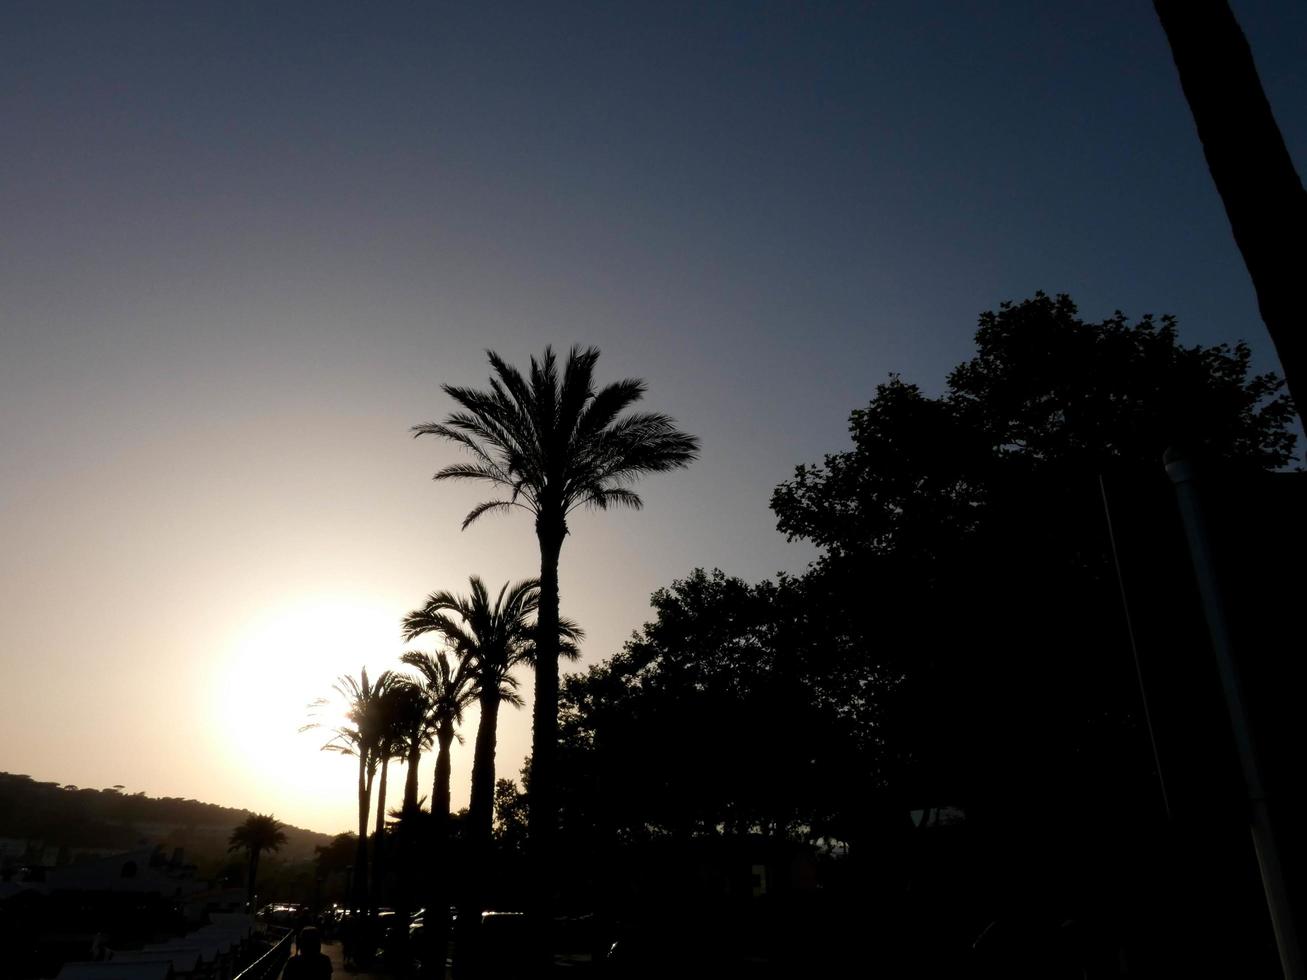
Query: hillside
{"points": [[56, 823]]}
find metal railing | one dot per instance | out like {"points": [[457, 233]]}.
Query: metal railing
{"points": [[269, 965]]}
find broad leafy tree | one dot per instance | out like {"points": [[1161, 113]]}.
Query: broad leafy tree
{"points": [[963, 547], [723, 716], [552, 441]]}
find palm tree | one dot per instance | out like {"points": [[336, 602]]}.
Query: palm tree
{"points": [[257, 834], [398, 709], [491, 639], [359, 737], [552, 445], [448, 690]]}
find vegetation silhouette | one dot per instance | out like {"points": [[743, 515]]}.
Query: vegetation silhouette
{"points": [[958, 647], [490, 638], [446, 689], [553, 443], [939, 720], [402, 731], [361, 737], [259, 833]]}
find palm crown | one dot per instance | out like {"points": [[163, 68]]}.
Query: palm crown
{"points": [[445, 685], [257, 833], [365, 717], [490, 638], [557, 444], [551, 443]]}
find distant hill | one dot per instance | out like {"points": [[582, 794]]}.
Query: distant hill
{"points": [[53, 822]]}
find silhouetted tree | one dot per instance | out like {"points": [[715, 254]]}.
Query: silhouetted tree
{"points": [[723, 716], [553, 444], [359, 736], [257, 834], [447, 689], [511, 808], [401, 722], [337, 855], [1250, 165], [963, 548], [490, 639]]}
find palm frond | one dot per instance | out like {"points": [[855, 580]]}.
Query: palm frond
{"points": [[485, 507]]}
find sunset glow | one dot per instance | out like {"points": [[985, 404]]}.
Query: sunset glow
{"points": [[278, 661]]}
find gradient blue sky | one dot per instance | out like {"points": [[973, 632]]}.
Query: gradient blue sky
{"points": [[242, 244]]}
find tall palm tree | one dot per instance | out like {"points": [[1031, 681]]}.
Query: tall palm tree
{"points": [[359, 736], [448, 690], [257, 834], [552, 444]]}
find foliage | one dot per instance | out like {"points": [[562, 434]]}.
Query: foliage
{"points": [[964, 549], [491, 638], [1047, 394], [511, 808], [958, 639], [551, 444], [722, 715], [337, 855], [554, 444], [259, 832], [100, 820], [362, 734]]}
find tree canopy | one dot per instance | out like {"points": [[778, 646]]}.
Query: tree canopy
{"points": [[959, 639]]}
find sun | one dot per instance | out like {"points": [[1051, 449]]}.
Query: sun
{"points": [[277, 663]]}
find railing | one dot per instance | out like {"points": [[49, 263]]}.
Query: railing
{"points": [[267, 966]]}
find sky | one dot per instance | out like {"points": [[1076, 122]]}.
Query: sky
{"points": [[242, 245]]}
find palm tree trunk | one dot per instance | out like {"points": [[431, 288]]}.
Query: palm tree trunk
{"points": [[440, 789], [361, 853], [411, 777], [1251, 167], [480, 813], [481, 806], [379, 840], [542, 818], [253, 877], [437, 916]]}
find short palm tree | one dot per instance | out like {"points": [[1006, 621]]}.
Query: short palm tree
{"points": [[399, 710], [448, 689], [490, 639], [551, 444], [415, 730], [257, 834], [359, 736]]}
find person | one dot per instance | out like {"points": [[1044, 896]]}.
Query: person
{"points": [[310, 962]]}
